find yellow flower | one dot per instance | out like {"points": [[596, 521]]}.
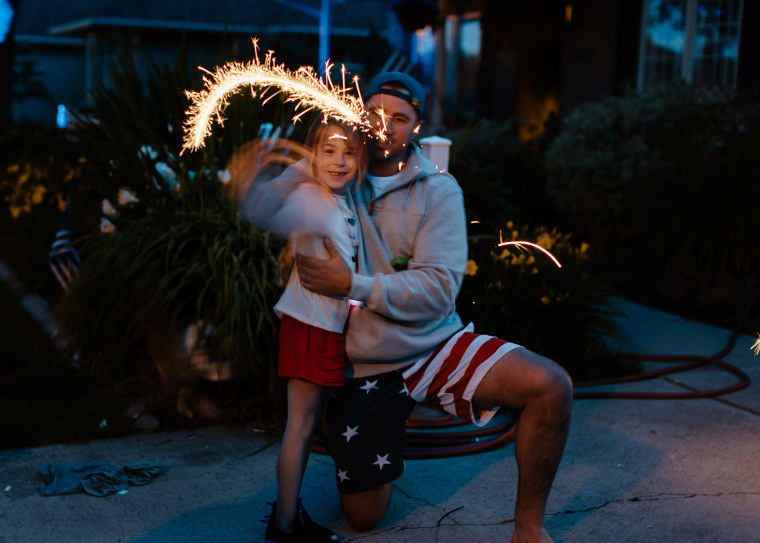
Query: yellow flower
{"points": [[472, 268], [39, 192], [24, 177], [544, 300], [545, 240], [584, 248]]}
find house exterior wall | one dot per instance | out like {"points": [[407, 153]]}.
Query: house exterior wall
{"points": [[61, 67]]}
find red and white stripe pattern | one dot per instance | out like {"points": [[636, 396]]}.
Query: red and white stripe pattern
{"points": [[63, 259], [448, 378]]}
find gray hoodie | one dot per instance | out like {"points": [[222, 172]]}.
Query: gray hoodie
{"points": [[407, 313]]}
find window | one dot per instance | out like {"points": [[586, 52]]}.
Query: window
{"points": [[462, 41], [696, 40]]}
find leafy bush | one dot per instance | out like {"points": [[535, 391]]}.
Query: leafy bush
{"points": [[38, 169], [663, 180], [176, 252], [517, 294], [501, 179], [520, 295], [165, 271], [133, 132]]}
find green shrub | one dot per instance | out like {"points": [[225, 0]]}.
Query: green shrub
{"points": [[501, 179], [165, 271], [177, 251], [132, 132], [38, 169], [520, 295], [663, 180]]}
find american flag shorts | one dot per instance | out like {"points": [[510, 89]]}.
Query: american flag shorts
{"points": [[367, 416], [448, 378]]}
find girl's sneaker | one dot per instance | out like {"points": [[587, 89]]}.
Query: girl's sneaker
{"points": [[316, 533], [307, 531]]}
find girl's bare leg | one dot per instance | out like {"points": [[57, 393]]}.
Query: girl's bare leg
{"points": [[304, 409]]}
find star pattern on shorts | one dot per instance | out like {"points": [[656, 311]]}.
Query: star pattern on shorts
{"points": [[369, 385], [381, 461], [404, 390], [350, 432], [343, 475]]}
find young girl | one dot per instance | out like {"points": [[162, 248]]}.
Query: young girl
{"points": [[312, 354]]}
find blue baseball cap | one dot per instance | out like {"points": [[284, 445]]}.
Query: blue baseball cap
{"points": [[412, 90]]}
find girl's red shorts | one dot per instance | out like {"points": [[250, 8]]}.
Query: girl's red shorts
{"points": [[311, 353]]}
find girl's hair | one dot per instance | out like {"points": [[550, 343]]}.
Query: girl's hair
{"points": [[356, 139]]}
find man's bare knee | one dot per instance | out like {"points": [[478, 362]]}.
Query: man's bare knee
{"points": [[523, 378], [365, 510], [558, 391]]}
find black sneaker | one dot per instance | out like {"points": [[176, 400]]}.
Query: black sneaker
{"points": [[274, 535], [315, 532], [307, 531]]}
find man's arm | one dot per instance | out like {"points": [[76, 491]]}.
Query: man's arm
{"points": [[328, 277], [428, 287]]}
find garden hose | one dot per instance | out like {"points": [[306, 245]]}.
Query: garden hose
{"points": [[423, 443], [691, 362]]}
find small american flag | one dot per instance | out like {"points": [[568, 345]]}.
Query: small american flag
{"points": [[63, 258]]}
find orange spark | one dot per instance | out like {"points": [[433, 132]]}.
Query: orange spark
{"points": [[520, 244]]}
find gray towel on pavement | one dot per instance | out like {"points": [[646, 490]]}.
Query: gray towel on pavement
{"points": [[97, 479]]}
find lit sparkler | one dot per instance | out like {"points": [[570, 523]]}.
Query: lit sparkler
{"points": [[302, 86], [756, 345], [519, 244]]}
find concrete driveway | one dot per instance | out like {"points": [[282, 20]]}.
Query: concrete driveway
{"points": [[634, 470]]}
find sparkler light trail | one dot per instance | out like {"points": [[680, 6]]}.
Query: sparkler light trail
{"points": [[302, 86], [535, 246]]}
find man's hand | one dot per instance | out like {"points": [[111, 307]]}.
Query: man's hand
{"points": [[328, 277]]}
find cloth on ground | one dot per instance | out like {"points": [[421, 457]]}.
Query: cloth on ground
{"points": [[97, 479]]}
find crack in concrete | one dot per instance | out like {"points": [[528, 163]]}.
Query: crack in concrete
{"points": [[397, 489], [634, 499], [408, 527], [653, 498], [390, 529], [716, 398]]}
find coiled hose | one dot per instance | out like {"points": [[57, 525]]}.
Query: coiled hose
{"points": [[423, 442]]}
